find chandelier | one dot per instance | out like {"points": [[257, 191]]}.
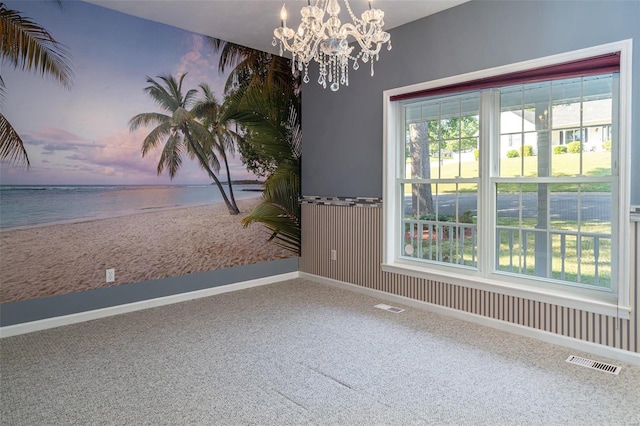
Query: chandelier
{"points": [[328, 43]]}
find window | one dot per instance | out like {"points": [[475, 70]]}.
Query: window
{"points": [[606, 133], [573, 135], [506, 185], [553, 210], [441, 180]]}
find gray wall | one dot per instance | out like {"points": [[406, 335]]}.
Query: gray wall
{"points": [[342, 151], [65, 304]]}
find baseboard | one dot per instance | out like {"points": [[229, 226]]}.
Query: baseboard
{"points": [[546, 336], [29, 327]]}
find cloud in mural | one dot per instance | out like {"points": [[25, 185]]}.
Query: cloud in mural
{"points": [[194, 61], [200, 65], [108, 171], [51, 148], [53, 140], [116, 155]]}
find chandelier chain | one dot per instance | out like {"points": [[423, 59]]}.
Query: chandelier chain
{"points": [[351, 14]]}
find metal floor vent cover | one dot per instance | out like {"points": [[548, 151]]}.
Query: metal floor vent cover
{"points": [[389, 308], [589, 363]]}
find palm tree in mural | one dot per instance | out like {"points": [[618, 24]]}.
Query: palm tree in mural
{"points": [[178, 131], [244, 60], [271, 112], [210, 111], [27, 46], [251, 66], [263, 97]]}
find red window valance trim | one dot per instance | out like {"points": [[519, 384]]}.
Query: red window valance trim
{"points": [[602, 64]]}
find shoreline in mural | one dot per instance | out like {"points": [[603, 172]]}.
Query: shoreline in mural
{"points": [[64, 258], [23, 206]]}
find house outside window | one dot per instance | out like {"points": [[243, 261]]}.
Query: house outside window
{"points": [[519, 212]]}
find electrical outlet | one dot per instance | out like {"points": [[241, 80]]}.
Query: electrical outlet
{"points": [[111, 275], [334, 255]]}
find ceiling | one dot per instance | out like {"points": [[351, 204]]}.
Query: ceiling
{"points": [[251, 22]]}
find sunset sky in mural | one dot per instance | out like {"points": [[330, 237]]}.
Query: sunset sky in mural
{"points": [[81, 136]]}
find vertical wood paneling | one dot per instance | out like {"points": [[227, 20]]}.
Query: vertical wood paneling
{"points": [[356, 235]]}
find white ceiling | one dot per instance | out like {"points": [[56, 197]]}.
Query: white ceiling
{"points": [[251, 22]]}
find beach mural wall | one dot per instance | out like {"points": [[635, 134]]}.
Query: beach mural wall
{"points": [[170, 153]]}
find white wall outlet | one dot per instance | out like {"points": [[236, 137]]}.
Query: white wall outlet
{"points": [[111, 275], [334, 255]]}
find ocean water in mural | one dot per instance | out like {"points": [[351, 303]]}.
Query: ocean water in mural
{"points": [[28, 205], [102, 192]]}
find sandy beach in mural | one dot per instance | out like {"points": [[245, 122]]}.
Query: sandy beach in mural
{"points": [[63, 258]]}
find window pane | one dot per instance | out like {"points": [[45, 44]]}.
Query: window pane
{"points": [[564, 207], [430, 111], [587, 205], [524, 136], [515, 250], [413, 114], [536, 104], [417, 159], [411, 241], [449, 234], [594, 163], [418, 200], [557, 231], [581, 122], [516, 205], [469, 157], [512, 119], [442, 139], [453, 203], [452, 131], [596, 208], [410, 210], [581, 233]]}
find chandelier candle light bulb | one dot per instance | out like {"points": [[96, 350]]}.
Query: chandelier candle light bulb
{"points": [[283, 17], [328, 42]]}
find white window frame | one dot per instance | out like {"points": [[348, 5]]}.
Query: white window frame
{"points": [[616, 303]]}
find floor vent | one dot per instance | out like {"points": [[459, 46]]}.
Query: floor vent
{"points": [[589, 363], [389, 308]]}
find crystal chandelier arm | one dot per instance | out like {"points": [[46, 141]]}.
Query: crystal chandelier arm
{"points": [[305, 48], [295, 44], [324, 32], [284, 34], [366, 42], [299, 42]]}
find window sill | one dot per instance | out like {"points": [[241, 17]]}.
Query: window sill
{"points": [[552, 296]]}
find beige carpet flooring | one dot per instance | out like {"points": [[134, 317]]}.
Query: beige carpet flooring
{"points": [[300, 352]]}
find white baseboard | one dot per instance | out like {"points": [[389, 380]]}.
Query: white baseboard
{"points": [[568, 342], [29, 327]]}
